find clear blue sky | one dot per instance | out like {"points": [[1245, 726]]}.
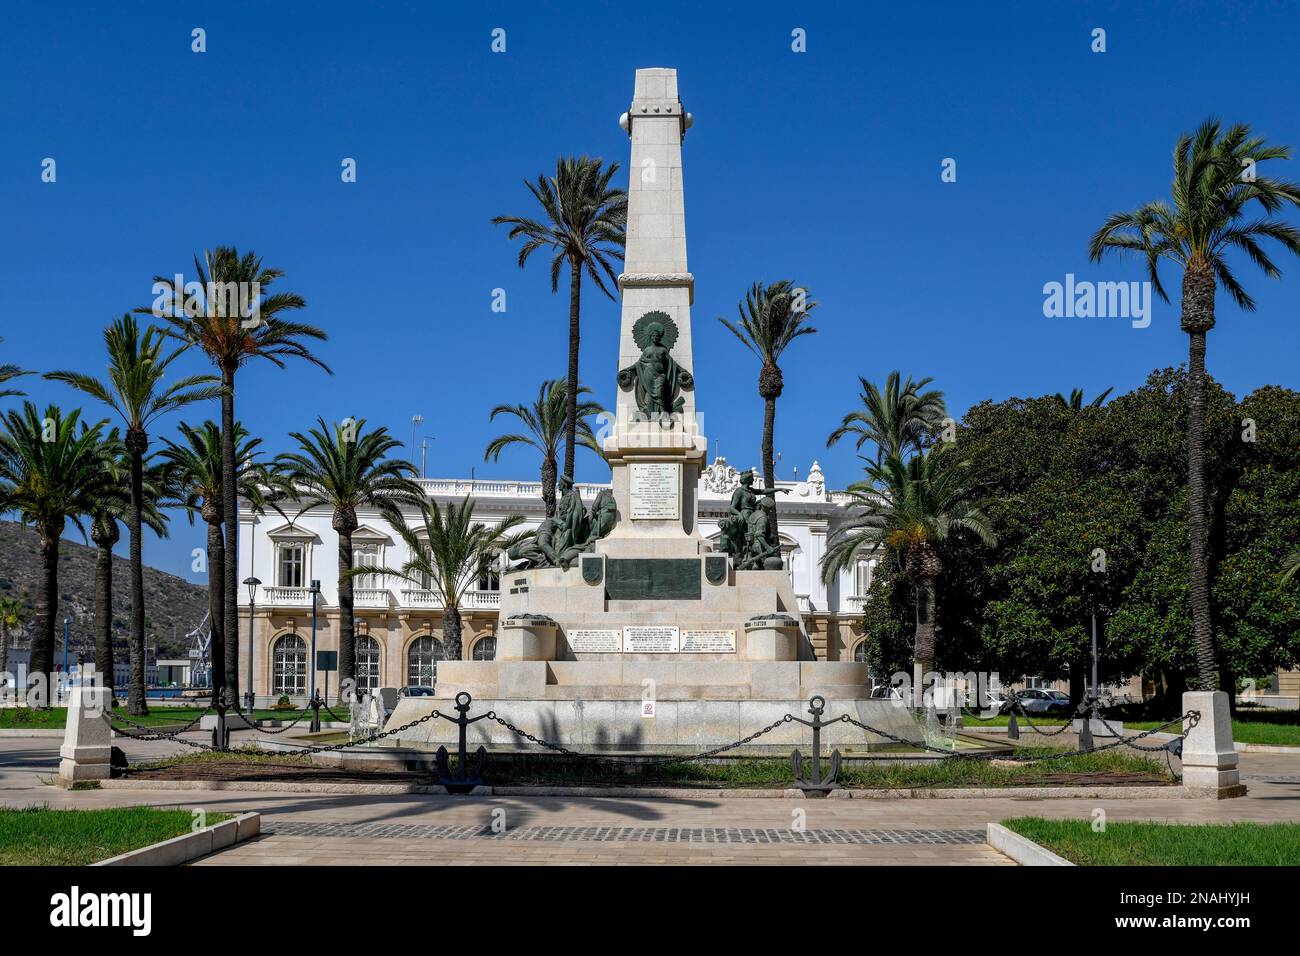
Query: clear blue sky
{"points": [[822, 166]]}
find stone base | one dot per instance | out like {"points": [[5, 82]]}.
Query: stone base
{"points": [[678, 726], [87, 764], [1209, 757]]}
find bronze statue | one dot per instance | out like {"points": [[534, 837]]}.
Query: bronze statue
{"points": [[573, 530], [746, 530], [656, 376]]}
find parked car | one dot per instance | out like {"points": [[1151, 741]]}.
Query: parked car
{"points": [[1036, 701], [413, 691]]}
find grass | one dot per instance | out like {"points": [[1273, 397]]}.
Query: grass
{"points": [[530, 770], [37, 836], [1275, 728], [1165, 844], [17, 718]]}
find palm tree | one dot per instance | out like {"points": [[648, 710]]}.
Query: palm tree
{"points": [[229, 339], [546, 421], [1075, 402], [195, 475], [898, 419], [11, 616], [1215, 181], [7, 372], [50, 472], [449, 553], [909, 509], [112, 503], [346, 468], [135, 390], [1290, 568], [771, 317], [584, 226]]}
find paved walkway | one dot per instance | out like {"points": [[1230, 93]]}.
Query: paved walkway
{"points": [[421, 829]]}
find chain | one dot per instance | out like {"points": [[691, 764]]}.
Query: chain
{"points": [[161, 734], [280, 730]]}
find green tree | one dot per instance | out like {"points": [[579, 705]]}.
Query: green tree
{"points": [[1075, 402], [584, 226], [135, 390], [195, 477], [1215, 184], [450, 551], [545, 422], [11, 617], [770, 318], [907, 509], [112, 504], [219, 324], [50, 472], [344, 468], [898, 419]]}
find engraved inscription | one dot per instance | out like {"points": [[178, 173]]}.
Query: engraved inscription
{"points": [[708, 642], [656, 490], [650, 639]]}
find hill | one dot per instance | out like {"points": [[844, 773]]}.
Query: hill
{"points": [[172, 605]]}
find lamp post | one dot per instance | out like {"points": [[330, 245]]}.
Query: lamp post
{"points": [[251, 583], [416, 420], [311, 662]]}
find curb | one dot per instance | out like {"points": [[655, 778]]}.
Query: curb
{"points": [[1022, 849], [34, 732], [191, 846], [1173, 791]]}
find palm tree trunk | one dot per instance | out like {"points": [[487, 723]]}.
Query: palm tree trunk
{"points": [[1197, 319], [571, 399], [347, 625], [923, 650], [548, 485], [4, 657], [104, 615], [216, 616], [135, 701], [230, 553], [769, 463], [451, 625], [45, 608]]}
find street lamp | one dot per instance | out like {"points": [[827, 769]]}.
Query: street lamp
{"points": [[311, 662], [251, 583]]}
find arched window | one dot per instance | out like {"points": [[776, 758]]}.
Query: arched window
{"points": [[289, 666], [860, 652], [367, 664], [485, 649], [422, 661]]}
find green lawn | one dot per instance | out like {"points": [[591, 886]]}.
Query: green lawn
{"points": [[1280, 727], [41, 837], [1165, 844], [14, 718]]}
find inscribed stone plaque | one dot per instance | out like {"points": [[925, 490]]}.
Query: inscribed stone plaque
{"points": [[708, 642], [652, 579], [600, 640], [650, 639], [656, 490]]}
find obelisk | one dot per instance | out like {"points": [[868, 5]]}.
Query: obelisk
{"points": [[657, 446]]}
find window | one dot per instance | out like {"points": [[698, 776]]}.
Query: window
{"points": [[860, 653], [289, 566], [485, 649], [289, 666], [367, 664], [365, 556], [422, 661], [863, 573], [489, 581]]}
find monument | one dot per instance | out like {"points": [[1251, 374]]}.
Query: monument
{"points": [[621, 628]]}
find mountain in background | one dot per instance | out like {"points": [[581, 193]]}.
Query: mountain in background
{"points": [[172, 605]]}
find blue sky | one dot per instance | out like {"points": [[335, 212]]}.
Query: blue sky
{"points": [[821, 166]]}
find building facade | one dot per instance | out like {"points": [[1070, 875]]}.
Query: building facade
{"points": [[399, 624]]}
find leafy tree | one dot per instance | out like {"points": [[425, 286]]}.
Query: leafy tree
{"points": [[545, 422], [1215, 184], [134, 389], [11, 617], [216, 322], [50, 472], [771, 317], [344, 468], [584, 226]]}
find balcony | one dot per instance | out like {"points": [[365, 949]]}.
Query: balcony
{"points": [[471, 601], [285, 597], [856, 602], [370, 598]]}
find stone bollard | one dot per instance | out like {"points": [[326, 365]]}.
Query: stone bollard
{"points": [[88, 737], [1209, 759]]}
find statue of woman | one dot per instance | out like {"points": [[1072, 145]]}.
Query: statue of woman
{"points": [[657, 376]]}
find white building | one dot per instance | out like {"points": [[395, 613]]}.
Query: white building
{"points": [[399, 626]]}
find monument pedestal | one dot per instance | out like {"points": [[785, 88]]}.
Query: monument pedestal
{"points": [[87, 748], [1209, 757]]}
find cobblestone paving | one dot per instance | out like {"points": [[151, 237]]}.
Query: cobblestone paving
{"points": [[684, 835]]}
